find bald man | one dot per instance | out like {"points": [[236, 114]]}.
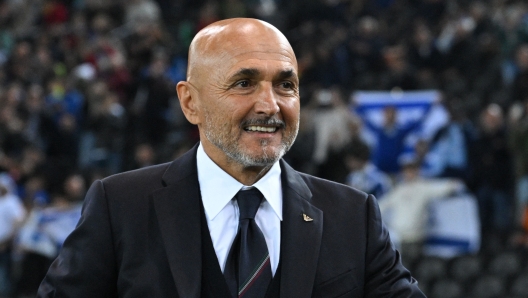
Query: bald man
{"points": [[171, 230]]}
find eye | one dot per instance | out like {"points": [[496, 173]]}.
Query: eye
{"points": [[243, 83], [287, 85]]}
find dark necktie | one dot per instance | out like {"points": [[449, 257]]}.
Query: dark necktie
{"points": [[248, 269]]}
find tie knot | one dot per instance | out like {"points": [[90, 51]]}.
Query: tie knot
{"points": [[248, 202]]}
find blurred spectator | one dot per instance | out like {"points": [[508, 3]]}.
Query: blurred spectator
{"points": [[12, 214], [39, 124], [12, 139], [18, 66], [330, 57], [405, 207], [144, 156], [448, 155], [74, 189], [390, 139], [493, 173], [330, 119], [518, 125], [512, 32], [456, 42], [423, 53], [32, 161], [363, 174], [399, 73], [146, 40], [520, 82], [302, 150], [63, 98], [118, 78], [103, 143], [55, 12], [365, 46], [140, 12], [44, 232], [34, 193], [152, 102]]}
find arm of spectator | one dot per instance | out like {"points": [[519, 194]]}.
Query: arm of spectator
{"points": [[366, 122], [443, 188], [418, 122]]}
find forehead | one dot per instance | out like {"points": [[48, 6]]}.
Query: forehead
{"points": [[247, 45], [265, 61]]}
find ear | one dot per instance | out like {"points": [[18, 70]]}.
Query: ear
{"points": [[188, 102]]}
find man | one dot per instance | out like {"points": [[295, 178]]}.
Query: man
{"points": [[168, 230]]}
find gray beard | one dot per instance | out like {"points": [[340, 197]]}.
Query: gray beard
{"points": [[262, 161], [236, 155]]}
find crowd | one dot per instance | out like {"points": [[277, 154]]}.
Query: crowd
{"points": [[87, 90]]}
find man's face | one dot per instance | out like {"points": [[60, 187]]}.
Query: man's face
{"points": [[248, 98]]}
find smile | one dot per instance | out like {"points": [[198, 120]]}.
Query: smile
{"points": [[260, 128]]}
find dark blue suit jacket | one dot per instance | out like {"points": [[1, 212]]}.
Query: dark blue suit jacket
{"points": [[139, 236]]}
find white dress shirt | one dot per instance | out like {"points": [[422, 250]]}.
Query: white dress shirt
{"points": [[218, 190]]}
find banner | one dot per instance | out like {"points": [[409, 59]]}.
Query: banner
{"points": [[454, 227], [46, 229], [411, 106]]}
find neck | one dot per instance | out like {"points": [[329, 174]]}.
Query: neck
{"points": [[244, 174], [247, 175]]}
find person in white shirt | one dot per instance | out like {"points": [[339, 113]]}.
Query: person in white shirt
{"points": [[405, 207], [12, 214]]}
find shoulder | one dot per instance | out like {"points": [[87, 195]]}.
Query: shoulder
{"points": [[325, 192], [135, 182], [141, 176]]}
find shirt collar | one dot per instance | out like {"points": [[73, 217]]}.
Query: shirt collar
{"points": [[218, 187]]}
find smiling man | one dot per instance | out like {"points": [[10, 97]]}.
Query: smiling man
{"points": [[243, 93], [230, 218]]}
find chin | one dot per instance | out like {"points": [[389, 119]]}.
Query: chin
{"points": [[266, 158]]}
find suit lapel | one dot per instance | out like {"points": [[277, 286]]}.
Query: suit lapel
{"points": [[301, 237], [177, 208]]}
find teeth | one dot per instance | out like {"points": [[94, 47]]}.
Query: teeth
{"points": [[261, 128]]}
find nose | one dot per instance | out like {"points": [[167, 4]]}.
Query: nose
{"points": [[267, 101]]}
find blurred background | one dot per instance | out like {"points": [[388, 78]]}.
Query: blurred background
{"points": [[423, 103]]}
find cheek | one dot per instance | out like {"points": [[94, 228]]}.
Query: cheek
{"points": [[290, 110]]}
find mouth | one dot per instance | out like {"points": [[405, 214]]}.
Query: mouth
{"points": [[263, 125], [258, 128]]}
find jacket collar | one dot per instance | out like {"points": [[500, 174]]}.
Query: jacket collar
{"points": [[301, 234]]}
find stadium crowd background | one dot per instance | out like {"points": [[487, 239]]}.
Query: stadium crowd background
{"points": [[87, 90]]}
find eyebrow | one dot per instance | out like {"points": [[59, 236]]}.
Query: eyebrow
{"points": [[246, 73], [254, 73], [286, 74]]}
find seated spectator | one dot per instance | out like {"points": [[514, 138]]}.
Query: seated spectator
{"points": [[364, 175]]}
